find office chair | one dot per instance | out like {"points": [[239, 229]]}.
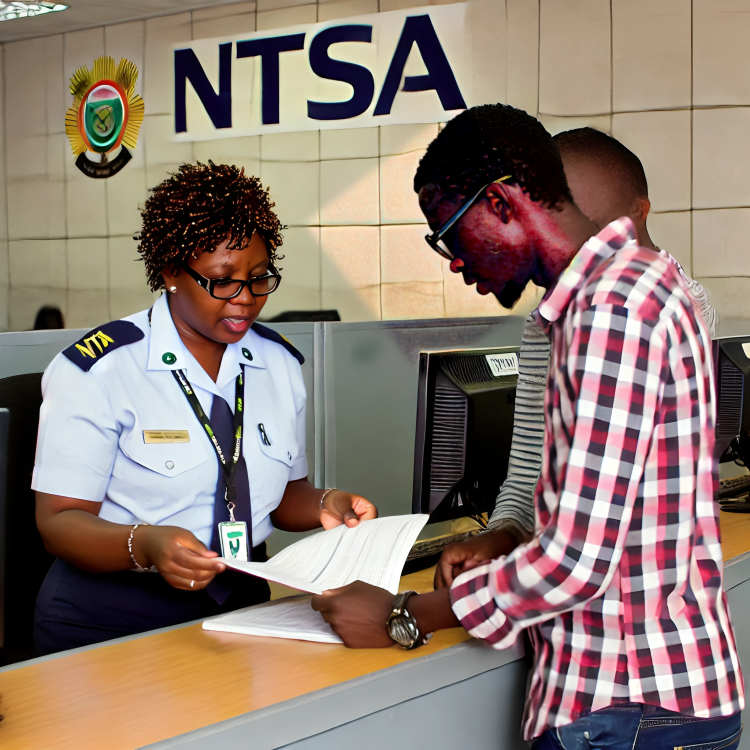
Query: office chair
{"points": [[24, 561]]}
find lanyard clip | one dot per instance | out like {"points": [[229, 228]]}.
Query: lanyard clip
{"points": [[263, 435], [230, 507]]}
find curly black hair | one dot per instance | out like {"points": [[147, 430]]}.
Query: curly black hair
{"points": [[487, 142], [196, 209]]}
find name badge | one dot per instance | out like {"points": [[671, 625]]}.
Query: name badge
{"points": [[166, 436], [234, 540]]}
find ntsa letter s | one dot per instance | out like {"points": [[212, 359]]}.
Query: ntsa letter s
{"points": [[380, 69]]}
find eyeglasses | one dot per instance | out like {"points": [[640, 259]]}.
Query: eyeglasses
{"points": [[259, 286], [434, 239]]}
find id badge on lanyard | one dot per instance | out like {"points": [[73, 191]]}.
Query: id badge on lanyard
{"points": [[232, 534]]}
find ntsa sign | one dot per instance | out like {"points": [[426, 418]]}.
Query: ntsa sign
{"points": [[386, 68]]}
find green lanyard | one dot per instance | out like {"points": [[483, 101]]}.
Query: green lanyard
{"points": [[229, 469]]}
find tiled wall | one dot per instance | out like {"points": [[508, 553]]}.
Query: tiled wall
{"points": [[667, 77]]}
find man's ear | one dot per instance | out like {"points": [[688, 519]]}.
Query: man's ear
{"points": [[501, 202]]}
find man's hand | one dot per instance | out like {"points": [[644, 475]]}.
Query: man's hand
{"points": [[178, 555], [344, 507], [462, 556], [358, 613]]}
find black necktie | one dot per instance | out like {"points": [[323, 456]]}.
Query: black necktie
{"points": [[222, 423]]}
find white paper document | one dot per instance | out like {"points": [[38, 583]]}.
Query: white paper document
{"points": [[373, 551], [284, 618]]}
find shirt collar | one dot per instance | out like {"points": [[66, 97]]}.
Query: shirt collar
{"points": [[603, 246], [167, 351]]}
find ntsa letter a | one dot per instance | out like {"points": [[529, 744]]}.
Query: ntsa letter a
{"points": [[323, 76]]}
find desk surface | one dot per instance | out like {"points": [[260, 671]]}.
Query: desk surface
{"points": [[141, 691]]}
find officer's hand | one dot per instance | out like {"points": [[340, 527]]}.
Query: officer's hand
{"points": [[343, 507], [178, 555], [462, 556], [358, 613]]}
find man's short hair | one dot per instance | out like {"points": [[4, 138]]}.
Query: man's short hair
{"points": [[485, 143], [608, 153]]}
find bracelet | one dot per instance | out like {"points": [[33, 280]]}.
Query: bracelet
{"points": [[138, 566], [323, 497]]}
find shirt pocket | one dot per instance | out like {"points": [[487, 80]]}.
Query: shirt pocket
{"points": [[167, 459], [277, 444]]}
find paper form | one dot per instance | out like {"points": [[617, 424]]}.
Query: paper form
{"points": [[284, 618], [373, 551]]}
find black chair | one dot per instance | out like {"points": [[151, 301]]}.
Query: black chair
{"points": [[24, 559]]}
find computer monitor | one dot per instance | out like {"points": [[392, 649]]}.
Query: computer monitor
{"points": [[733, 411], [464, 430]]}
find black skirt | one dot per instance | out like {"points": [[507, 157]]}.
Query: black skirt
{"points": [[75, 608]]}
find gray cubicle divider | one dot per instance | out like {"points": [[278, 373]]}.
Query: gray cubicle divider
{"points": [[4, 426]]}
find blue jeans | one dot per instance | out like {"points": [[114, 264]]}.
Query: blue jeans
{"points": [[639, 727]]}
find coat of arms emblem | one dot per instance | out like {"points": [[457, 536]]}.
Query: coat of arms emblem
{"points": [[105, 117]]}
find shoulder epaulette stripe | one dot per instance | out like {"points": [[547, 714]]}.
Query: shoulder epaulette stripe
{"points": [[271, 335], [99, 342]]}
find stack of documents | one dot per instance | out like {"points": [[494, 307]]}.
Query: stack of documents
{"points": [[373, 551]]}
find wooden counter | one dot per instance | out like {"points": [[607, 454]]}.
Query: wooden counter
{"points": [[146, 689]]}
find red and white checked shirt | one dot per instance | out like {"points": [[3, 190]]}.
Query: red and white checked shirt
{"points": [[621, 589]]}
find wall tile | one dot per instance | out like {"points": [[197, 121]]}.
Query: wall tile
{"points": [[128, 40], [125, 269], [349, 192], [278, 19], [25, 115], [4, 307], [329, 10], [26, 220], [555, 125], [650, 36], [356, 143], [82, 48], [578, 33], [295, 188], [301, 273], [414, 299], [661, 140], [304, 146], [126, 196], [224, 21], [87, 264], [398, 201], [87, 308], [721, 54], [158, 83], [721, 158], [241, 152], [350, 265], [58, 152], [124, 302], [720, 242], [56, 85], [38, 263], [4, 265], [25, 303], [672, 231], [162, 154], [401, 139], [85, 205], [730, 296], [264, 5], [406, 257], [523, 54], [386, 5], [26, 157]]}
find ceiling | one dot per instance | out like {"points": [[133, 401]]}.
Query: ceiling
{"points": [[83, 14]]}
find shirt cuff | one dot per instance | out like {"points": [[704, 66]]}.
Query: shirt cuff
{"points": [[299, 469], [66, 483], [474, 606]]}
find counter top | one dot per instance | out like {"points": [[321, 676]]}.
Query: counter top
{"points": [[146, 689]]}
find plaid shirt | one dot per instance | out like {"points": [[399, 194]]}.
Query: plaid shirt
{"points": [[621, 589]]}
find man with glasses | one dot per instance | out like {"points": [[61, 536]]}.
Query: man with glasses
{"points": [[621, 587]]}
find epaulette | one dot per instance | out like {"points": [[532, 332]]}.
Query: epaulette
{"points": [[98, 342], [271, 335]]}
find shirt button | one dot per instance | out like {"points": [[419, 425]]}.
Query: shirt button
{"points": [[586, 735], [247, 355], [169, 464], [168, 358]]}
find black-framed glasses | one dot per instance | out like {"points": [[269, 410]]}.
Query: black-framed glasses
{"points": [[259, 286], [434, 239]]}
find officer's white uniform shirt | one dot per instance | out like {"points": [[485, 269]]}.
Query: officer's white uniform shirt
{"points": [[91, 442]]}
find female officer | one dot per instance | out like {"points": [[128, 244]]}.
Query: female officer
{"points": [[177, 434]]}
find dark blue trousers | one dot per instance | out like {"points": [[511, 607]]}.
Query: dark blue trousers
{"points": [[75, 608], [640, 727]]}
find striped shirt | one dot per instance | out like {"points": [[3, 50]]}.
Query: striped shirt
{"points": [[621, 589], [514, 508]]}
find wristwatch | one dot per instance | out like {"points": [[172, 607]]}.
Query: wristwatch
{"points": [[402, 626]]}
